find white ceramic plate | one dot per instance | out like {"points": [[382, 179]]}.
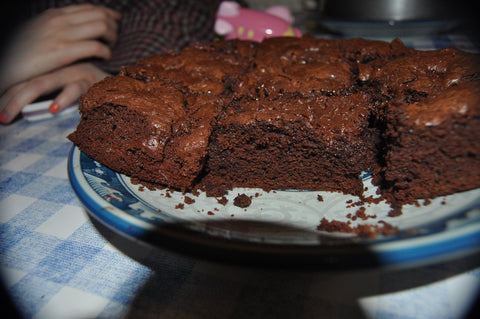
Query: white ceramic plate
{"points": [[279, 227]]}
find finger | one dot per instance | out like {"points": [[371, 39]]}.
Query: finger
{"points": [[89, 7], [9, 94], [93, 13], [62, 21], [101, 22], [76, 14], [95, 29], [25, 93], [81, 76], [74, 51], [53, 58], [70, 93]]}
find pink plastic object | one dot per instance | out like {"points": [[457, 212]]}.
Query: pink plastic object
{"points": [[234, 21]]}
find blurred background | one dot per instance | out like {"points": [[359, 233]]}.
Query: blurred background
{"points": [[384, 19]]}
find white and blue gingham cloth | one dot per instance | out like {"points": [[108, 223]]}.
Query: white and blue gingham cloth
{"points": [[54, 263]]}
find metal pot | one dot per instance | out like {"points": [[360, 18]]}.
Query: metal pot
{"points": [[390, 10]]}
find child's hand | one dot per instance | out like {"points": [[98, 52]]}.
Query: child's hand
{"points": [[42, 55], [74, 80]]}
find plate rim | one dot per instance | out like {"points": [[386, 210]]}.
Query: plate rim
{"points": [[403, 252]]}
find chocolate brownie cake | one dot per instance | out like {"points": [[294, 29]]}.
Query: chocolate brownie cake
{"points": [[291, 113]]}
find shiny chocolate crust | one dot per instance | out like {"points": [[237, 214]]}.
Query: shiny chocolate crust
{"points": [[291, 113]]}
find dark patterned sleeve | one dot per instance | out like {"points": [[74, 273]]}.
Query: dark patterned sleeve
{"points": [[160, 26]]}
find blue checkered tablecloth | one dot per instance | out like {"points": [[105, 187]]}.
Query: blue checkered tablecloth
{"points": [[55, 262]]}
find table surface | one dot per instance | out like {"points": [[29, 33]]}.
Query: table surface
{"points": [[55, 262]]}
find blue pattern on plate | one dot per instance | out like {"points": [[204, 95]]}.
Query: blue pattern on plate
{"points": [[459, 232]]}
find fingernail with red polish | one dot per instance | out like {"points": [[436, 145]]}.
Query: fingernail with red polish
{"points": [[54, 108], [3, 118]]}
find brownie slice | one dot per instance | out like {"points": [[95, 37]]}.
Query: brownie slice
{"points": [[145, 130], [434, 145], [201, 68], [298, 143]]}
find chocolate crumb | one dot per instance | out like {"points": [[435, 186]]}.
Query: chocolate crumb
{"points": [[360, 213], [180, 206], [364, 230], [242, 200], [320, 198], [395, 211], [188, 200], [223, 200]]}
